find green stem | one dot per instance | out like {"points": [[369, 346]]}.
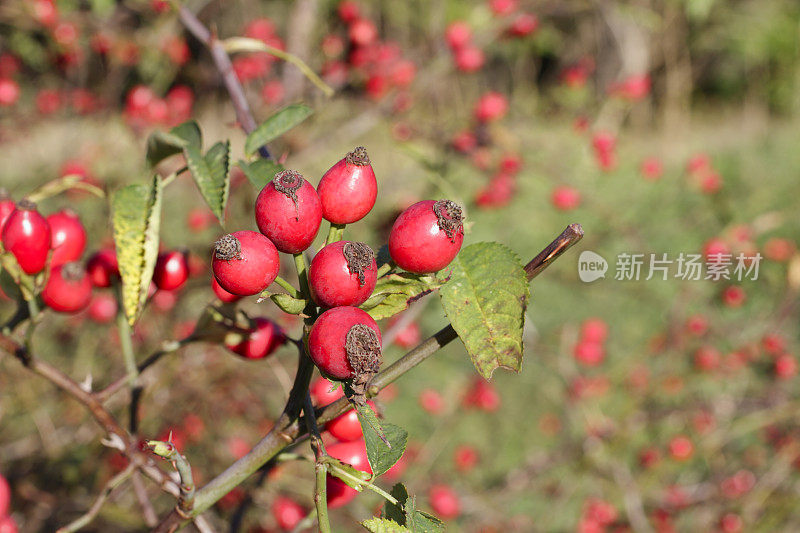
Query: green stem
{"points": [[385, 269], [126, 345], [302, 274], [168, 451], [244, 44], [335, 233], [374, 488], [321, 497], [294, 293]]}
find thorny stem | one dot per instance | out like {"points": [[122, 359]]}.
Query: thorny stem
{"points": [[168, 451], [287, 429]]}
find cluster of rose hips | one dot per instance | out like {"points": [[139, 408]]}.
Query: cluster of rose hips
{"points": [[363, 60], [55, 244], [143, 108], [467, 56], [257, 66], [344, 341]]}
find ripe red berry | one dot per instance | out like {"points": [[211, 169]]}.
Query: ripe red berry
{"points": [[287, 513], [288, 211], [5, 496], [681, 448], [427, 236], [589, 353], [223, 295], [565, 198], [409, 336], [7, 207], [345, 341], [245, 262], [68, 237], [259, 342], [347, 191], [342, 273], [444, 502], [171, 271], [68, 289], [103, 308], [8, 525], [324, 392], [470, 59], [26, 234], [594, 330], [785, 366], [466, 457], [707, 358], [346, 427], [491, 106], [482, 395], [432, 401], [458, 34], [103, 268], [355, 454]]}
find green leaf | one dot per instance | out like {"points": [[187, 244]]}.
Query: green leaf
{"points": [[420, 521], [136, 217], [385, 443], [394, 292], [383, 525], [161, 144], [212, 175], [275, 126], [260, 172], [405, 513], [485, 300], [287, 304]]}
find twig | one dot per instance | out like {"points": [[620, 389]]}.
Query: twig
{"points": [[320, 467], [168, 451], [288, 429], [90, 515], [225, 68], [149, 514]]}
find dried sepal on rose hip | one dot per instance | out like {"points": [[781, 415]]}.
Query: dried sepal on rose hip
{"points": [[348, 189], [343, 273], [288, 212], [345, 344], [427, 236], [245, 262]]}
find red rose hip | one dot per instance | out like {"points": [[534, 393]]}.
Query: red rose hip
{"points": [[288, 211], [68, 289], [347, 191], [67, 236], [345, 342], [26, 234], [245, 262], [103, 267], [355, 454], [427, 236], [259, 342], [6, 207], [171, 271], [343, 273]]}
